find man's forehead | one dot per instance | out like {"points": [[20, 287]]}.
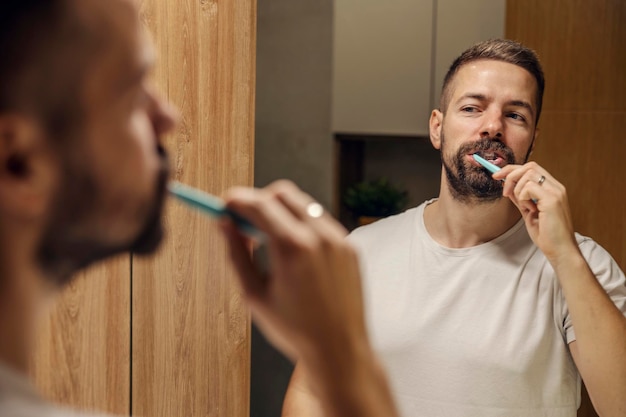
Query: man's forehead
{"points": [[97, 11], [127, 52], [497, 76]]}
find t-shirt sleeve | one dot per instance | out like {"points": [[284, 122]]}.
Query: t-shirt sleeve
{"points": [[609, 275]]}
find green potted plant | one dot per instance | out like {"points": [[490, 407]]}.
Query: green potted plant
{"points": [[374, 199]]}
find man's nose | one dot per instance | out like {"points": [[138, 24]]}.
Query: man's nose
{"points": [[492, 125], [165, 116]]}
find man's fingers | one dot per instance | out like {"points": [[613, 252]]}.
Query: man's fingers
{"points": [[311, 213], [240, 253], [262, 209]]}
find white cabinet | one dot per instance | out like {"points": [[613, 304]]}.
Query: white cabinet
{"points": [[390, 58], [382, 65]]}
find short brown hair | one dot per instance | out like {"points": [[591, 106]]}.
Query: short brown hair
{"points": [[45, 48], [503, 50]]}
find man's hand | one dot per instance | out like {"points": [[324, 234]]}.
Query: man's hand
{"points": [[599, 350], [542, 200], [309, 301]]}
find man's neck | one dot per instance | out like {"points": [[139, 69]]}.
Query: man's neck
{"points": [[24, 295], [458, 224]]}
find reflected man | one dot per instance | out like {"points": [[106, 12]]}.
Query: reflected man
{"points": [[484, 301]]}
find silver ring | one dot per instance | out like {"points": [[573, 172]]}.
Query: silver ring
{"points": [[314, 210], [541, 180]]}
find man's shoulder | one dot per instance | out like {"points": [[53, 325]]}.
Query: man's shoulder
{"points": [[18, 408], [593, 252], [392, 228]]}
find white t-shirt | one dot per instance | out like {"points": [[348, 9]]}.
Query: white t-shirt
{"points": [[479, 331], [18, 398]]}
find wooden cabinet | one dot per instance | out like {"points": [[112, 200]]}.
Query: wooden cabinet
{"points": [[390, 59]]}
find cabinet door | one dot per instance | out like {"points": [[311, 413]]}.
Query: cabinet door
{"points": [[82, 356], [390, 59], [190, 328], [382, 66], [460, 24]]}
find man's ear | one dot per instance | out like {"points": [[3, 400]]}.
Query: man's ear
{"points": [[435, 123], [27, 169]]}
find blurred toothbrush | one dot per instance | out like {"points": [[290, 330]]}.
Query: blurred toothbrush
{"points": [[211, 205]]}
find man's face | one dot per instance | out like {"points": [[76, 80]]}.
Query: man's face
{"points": [[111, 196], [492, 112]]}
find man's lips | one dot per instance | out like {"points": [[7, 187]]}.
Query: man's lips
{"points": [[493, 157]]}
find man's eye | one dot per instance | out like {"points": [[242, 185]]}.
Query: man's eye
{"points": [[517, 116], [469, 109]]}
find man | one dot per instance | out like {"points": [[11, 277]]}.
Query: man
{"points": [[484, 302], [83, 175]]}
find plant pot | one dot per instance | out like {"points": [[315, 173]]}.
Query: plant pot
{"points": [[363, 220]]}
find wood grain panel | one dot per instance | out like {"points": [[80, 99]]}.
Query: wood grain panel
{"points": [[190, 329], [582, 45], [83, 352]]}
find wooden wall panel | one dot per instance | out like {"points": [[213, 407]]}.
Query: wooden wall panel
{"points": [[83, 349], [582, 45], [190, 330]]}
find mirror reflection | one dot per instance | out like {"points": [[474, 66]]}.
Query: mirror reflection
{"points": [[345, 93]]}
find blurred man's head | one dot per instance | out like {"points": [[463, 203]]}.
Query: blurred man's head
{"points": [[81, 165]]}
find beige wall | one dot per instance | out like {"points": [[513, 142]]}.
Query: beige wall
{"points": [[459, 25], [382, 66], [293, 137], [293, 134], [390, 58]]}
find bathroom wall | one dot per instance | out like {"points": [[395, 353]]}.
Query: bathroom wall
{"points": [[293, 138]]}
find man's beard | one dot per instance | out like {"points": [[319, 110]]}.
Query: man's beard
{"points": [[468, 182], [65, 247]]}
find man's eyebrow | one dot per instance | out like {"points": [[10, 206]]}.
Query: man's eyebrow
{"points": [[476, 96], [522, 103], [139, 72]]}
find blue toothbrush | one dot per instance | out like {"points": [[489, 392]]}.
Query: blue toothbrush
{"points": [[491, 168], [211, 205], [488, 165]]}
